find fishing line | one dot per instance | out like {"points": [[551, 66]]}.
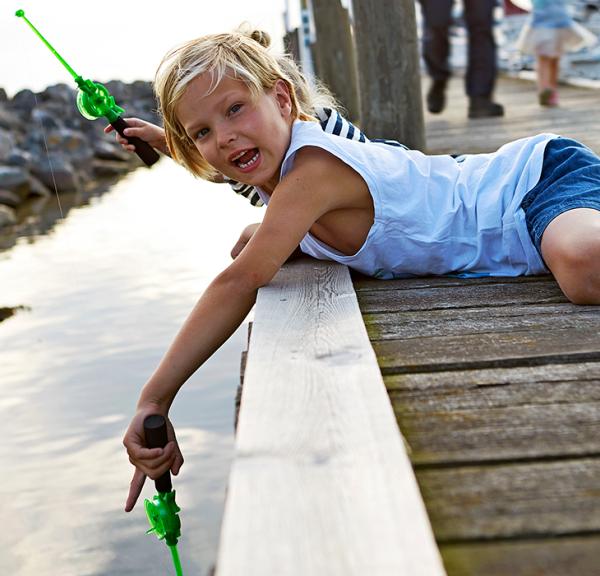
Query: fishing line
{"points": [[49, 160]]}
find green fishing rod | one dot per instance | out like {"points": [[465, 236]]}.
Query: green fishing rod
{"points": [[162, 511], [95, 101]]}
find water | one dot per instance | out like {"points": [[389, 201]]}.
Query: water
{"points": [[104, 291]]}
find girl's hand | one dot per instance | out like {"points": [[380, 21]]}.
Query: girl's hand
{"points": [[153, 462], [244, 238], [154, 135]]}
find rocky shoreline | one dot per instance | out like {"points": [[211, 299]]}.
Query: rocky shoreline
{"points": [[48, 148]]}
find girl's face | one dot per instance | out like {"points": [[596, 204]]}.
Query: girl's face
{"points": [[241, 137]]}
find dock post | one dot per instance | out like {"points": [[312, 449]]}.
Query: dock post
{"points": [[335, 57], [388, 68]]}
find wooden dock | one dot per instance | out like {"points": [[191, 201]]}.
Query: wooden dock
{"points": [[494, 385], [496, 382]]}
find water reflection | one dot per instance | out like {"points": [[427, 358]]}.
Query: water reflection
{"points": [[104, 293]]}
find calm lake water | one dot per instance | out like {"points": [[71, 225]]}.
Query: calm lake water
{"points": [[104, 291]]}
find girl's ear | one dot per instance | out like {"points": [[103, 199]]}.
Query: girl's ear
{"points": [[283, 98]]}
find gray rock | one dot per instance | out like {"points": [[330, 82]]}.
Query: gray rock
{"points": [[110, 150], [59, 172], [8, 198], [7, 144], [24, 101], [13, 177], [63, 93], [19, 157], [3, 95], [9, 120], [38, 188], [7, 216], [107, 168], [45, 119]]}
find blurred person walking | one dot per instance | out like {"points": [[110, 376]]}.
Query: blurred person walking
{"points": [[481, 63], [548, 35]]}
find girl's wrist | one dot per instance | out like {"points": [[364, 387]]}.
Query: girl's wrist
{"points": [[150, 404]]}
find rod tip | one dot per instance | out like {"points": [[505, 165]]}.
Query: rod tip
{"points": [[20, 13]]}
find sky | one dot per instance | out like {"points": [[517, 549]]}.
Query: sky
{"points": [[116, 40]]}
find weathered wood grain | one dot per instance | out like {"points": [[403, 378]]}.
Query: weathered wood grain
{"points": [[502, 414], [567, 556], [362, 283], [549, 383], [513, 500], [504, 433], [321, 483], [461, 296], [489, 350], [450, 322]]}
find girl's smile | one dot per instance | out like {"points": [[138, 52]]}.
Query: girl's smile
{"points": [[241, 136]]}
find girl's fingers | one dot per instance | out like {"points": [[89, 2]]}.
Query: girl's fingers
{"points": [[154, 461], [135, 489]]}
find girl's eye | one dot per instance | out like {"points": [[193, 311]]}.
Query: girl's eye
{"points": [[235, 108], [201, 133]]}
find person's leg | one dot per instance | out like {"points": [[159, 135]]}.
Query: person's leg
{"points": [[554, 72], [542, 67], [571, 249], [481, 64], [436, 49]]}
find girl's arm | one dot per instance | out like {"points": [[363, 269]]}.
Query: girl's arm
{"points": [[298, 201]]}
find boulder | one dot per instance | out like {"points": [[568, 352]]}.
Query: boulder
{"points": [[24, 101], [109, 150], [59, 172], [7, 143], [7, 216], [108, 168], [8, 198], [13, 177]]}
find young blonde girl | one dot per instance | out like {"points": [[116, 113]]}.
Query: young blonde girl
{"points": [[230, 108]]}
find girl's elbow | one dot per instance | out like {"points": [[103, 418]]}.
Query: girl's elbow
{"points": [[242, 280]]}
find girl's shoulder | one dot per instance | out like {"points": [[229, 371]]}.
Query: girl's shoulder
{"points": [[334, 123]]}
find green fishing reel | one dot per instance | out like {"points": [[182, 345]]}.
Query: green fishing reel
{"points": [[162, 510], [162, 515], [95, 101]]}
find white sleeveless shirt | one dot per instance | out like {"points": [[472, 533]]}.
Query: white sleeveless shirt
{"points": [[435, 215]]}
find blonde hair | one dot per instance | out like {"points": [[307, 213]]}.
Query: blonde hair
{"points": [[243, 54]]}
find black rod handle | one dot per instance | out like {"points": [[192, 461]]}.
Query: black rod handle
{"points": [[148, 154], [155, 430]]}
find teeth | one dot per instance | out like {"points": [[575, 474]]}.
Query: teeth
{"points": [[239, 155], [250, 162]]}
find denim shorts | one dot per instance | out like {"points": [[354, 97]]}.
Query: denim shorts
{"points": [[570, 179]]}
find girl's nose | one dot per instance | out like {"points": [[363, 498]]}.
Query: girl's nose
{"points": [[225, 136]]}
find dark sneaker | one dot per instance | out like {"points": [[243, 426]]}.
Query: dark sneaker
{"points": [[484, 108], [436, 97]]}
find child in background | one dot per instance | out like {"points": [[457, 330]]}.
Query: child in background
{"points": [[230, 108], [550, 33]]}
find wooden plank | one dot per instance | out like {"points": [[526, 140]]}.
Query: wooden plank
{"points": [[452, 322], [489, 415], [363, 283], [490, 350], [575, 556], [461, 296], [321, 483], [504, 433], [513, 500], [423, 392]]}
